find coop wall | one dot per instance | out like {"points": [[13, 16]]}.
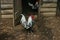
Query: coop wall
{"points": [[48, 7], [7, 12], [7, 8], [11, 9], [9, 4]]}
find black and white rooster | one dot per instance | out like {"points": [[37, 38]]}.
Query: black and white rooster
{"points": [[34, 6], [27, 24]]}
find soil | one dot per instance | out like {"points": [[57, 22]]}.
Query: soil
{"points": [[50, 30]]}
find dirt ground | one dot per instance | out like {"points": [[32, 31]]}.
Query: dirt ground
{"points": [[50, 30]]}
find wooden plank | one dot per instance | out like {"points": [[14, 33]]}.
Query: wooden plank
{"points": [[6, 1], [49, 1], [49, 14], [48, 9], [7, 11], [7, 16], [3, 6], [49, 5]]}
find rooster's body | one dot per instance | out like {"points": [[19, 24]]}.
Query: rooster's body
{"points": [[27, 24]]}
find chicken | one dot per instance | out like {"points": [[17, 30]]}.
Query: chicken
{"points": [[27, 24], [23, 21], [34, 6], [37, 4], [31, 5], [30, 23]]}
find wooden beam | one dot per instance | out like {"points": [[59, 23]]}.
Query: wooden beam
{"points": [[7, 16], [49, 5], [7, 11], [47, 9], [6, 1], [50, 1], [4, 6], [0, 11], [49, 14]]}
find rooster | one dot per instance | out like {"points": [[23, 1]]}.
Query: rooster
{"points": [[27, 24], [34, 6]]}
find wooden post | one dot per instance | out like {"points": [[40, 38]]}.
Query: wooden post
{"points": [[0, 10], [17, 11], [39, 14], [58, 8], [0, 14]]}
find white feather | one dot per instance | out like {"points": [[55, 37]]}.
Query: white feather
{"points": [[30, 4], [29, 23], [36, 4], [23, 20]]}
